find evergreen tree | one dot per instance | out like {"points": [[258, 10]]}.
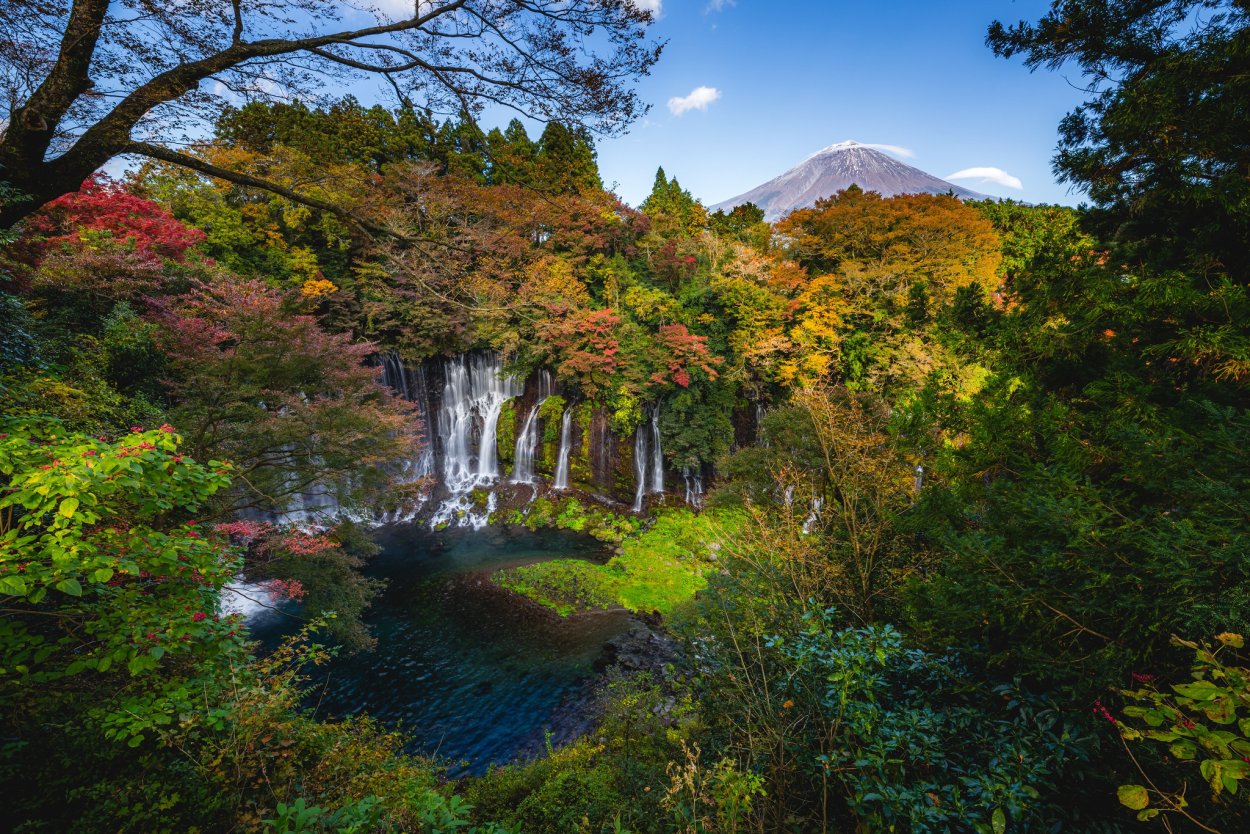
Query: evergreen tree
{"points": [[565, 162]]}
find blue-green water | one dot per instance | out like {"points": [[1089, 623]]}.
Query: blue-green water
{"points": [[471, 673]]}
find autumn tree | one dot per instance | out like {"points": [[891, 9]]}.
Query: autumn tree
{"points": [[259, 382], [98, 246], [93, 80], [897, 241]]}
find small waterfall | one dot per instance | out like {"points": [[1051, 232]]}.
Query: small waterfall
{"points": [[657, 455], [818, 504], [648, 458], [694, 486], [640, 466], [918, 482], [566, 444], [411, 384], [474, 392], [247, 599], [526, 446], [527, 439]]}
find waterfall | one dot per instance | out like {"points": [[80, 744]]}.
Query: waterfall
{"points": [[918, 481], [527, 439], [640, 466], [694, 486], [566, 437], [526, 446], [247, 599], [648, 457], [818, 504], [657, 456], [412, 385], [474, 392]]}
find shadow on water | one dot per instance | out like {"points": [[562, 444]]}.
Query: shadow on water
{"points": [[470, 672]]}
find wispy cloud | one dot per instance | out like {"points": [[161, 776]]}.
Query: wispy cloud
{"points": [[897, 150], [719, 5], [988, 174], [699, 99], [652, 6]]}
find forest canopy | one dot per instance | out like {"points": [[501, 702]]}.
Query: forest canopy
{"points": [[949, 527]]}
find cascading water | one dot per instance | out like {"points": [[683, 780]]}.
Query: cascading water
{"points": [[526, 446], [474, 392], [527, 440], [818, 504], [657, 455], [694, 486], [640, 466], [648, 458], [566, 438], [411, 384]]}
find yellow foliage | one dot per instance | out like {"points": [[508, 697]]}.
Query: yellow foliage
{"points": [[318, 288], [550, 279]]}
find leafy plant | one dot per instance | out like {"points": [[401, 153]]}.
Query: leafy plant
{"points": [[1203, 723]]}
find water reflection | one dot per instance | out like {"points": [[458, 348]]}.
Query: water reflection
{"points": [[467, 670]]}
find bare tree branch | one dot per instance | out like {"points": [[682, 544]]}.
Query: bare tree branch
{"points": [[123, 83]]}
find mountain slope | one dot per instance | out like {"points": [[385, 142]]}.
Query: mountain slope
{"points": [[836, 168]]}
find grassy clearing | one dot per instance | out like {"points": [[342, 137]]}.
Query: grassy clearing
{"points": [[659, 570]]}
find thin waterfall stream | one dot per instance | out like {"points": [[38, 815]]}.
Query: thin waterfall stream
{"points": [[566, 447]]}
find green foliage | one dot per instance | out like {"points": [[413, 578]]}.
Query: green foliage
{"points": [[573, 789], [90, 539], [1078, 535], [660, 570], [134, 363], [1203, 723], [566, 586], [703, 800], [506, 431], [17, 340], [613, 783], [986, 755], [1158, 143], [1032, 235], [856, 722], [672, 209], [744, 223]]}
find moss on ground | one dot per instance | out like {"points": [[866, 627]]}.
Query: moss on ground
{"points": [[659, 570]]}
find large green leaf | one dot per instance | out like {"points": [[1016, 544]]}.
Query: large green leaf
{"points": [[1134, 797]]}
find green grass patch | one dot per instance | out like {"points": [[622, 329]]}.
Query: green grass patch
{"points": [[659, 570]]}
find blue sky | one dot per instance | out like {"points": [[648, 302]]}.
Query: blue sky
{"points": [[793, 76]]}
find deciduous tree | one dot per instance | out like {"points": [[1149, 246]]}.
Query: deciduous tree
{"points": [[89, 80]]}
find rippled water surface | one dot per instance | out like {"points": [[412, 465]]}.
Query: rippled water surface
{"points": [[469, 672]]}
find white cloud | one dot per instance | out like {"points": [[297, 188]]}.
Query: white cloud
{"points": [[699, 99], [652, 6], [719, 5], [897, 150], [987, 174], [906, 153]]}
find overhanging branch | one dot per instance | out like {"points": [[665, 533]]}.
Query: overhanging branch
{"points": [[238, 178]]}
